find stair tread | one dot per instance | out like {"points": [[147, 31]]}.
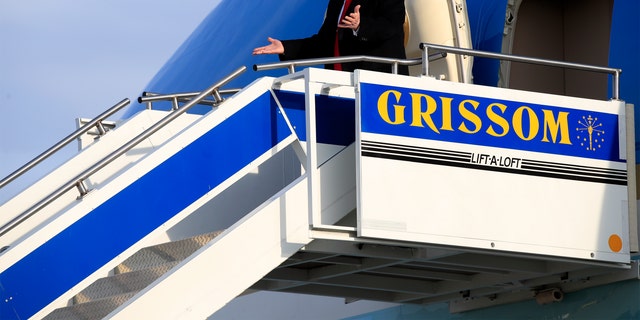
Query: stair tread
{"points": [[122, 283], [130, 277], [93, 310], [164, 252]]}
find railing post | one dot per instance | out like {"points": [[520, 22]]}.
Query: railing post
{"points": [[425, 60], [616, 84], [82, 188], [216, 95], [101, 129]]}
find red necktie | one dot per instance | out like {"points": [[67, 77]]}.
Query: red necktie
{"points": [[336, 50]]}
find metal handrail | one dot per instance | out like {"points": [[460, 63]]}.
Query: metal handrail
{"points": [[291, 64], [150, 97], [78, 181], [500, 56], [96, 122]]}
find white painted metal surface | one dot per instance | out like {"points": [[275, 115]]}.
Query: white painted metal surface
{"points": [[21, 240], [490, 200], [362, 238], [176, 139], [228, 265]]}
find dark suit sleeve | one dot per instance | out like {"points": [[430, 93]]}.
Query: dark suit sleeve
{"points": [[318, 45], [379, 20], [307, 48]]}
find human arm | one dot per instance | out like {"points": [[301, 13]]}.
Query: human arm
{"points": [[275, 47], [318, 45]]}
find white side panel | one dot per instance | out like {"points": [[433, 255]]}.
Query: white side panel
{"points": [[489, 168], [486, 210], [338, 187], [228, 265], [177, 139]]}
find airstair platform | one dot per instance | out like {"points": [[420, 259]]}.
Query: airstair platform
{"points": [[364, 186]]}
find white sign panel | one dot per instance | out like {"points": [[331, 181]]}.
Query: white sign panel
{"points": [[489, 168]]}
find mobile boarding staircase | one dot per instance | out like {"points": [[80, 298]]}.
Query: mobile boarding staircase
{"points": [[309, 183]]}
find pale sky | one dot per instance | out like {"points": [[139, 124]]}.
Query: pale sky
{"points": [[67, 59]]}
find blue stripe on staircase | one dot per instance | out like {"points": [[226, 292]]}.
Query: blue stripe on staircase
{"points": [[335, 117], [82, 248]]}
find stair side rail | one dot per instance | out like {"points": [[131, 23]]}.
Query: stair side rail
{"points": [[515, 58], [96, 122], [395, 63], [78, 181], [150, 97]]}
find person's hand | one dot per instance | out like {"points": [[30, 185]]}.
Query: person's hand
{"points": [[351, 21], [275, 47]]}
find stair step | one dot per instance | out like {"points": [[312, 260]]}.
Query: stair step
{"points": [[130, 277], [166, 252], [93, 310], [122, 283]]}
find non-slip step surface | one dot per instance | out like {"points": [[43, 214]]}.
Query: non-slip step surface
{"points": [[94, 310], [165, 252], [122, 283], [130, 277]]}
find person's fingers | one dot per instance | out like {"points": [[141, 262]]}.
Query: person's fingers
{"points": [[264, 49], [349, 23], [275, 46], [352, 20], [356, 15]]}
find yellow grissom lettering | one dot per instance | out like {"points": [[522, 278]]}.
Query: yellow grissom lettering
{"points": [[498, 120], [469, 116], [425, 108], [534, 124], [398, 110], [418, 116], [553, 126], [446, 114]]}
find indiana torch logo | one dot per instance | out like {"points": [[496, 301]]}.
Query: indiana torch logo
{"points": [[590, 133]]}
